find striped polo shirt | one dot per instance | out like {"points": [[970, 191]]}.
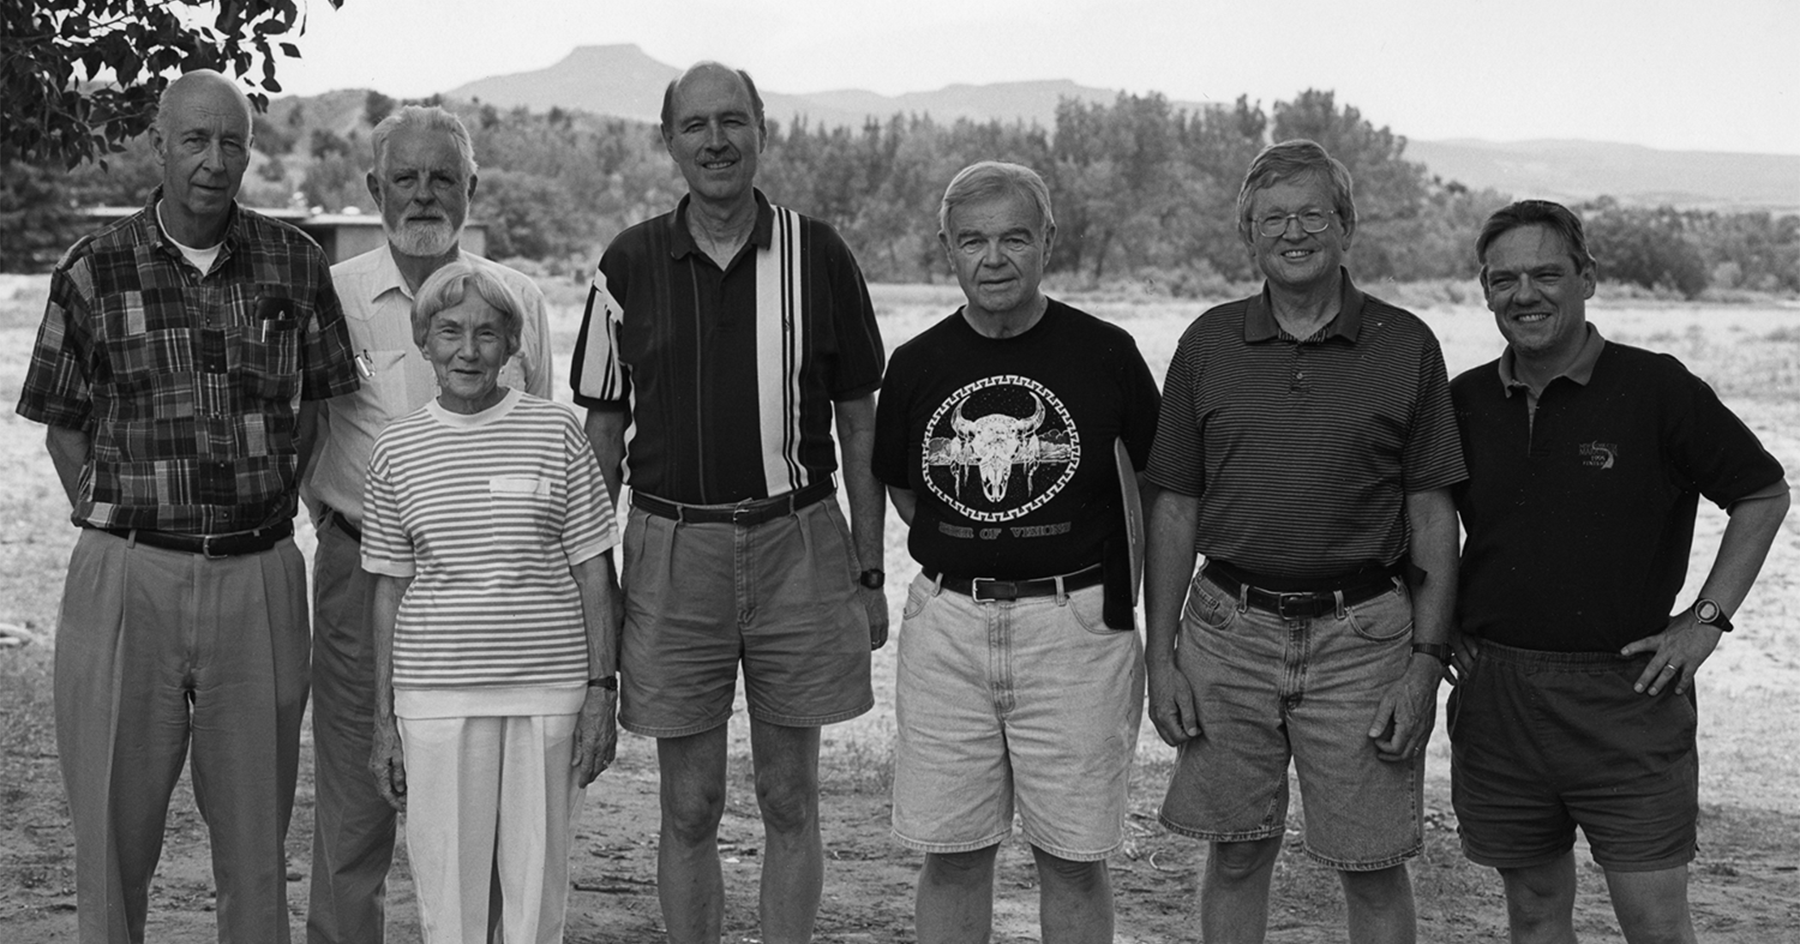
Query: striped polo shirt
{"points": [[487, 513], [729, 374], [1301, 451]]}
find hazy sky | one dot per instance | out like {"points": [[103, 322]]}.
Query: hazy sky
{"points": [[1680, 74]]}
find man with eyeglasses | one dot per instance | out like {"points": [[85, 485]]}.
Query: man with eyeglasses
{"points": [[1306, 447]]}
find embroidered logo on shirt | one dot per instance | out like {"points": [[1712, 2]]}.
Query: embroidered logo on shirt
{"points": [[1000, 448], [1598, 455]]}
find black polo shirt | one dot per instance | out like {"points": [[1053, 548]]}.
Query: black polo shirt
{"points": [[1579, 521], [1302, 451], [729, 379]]}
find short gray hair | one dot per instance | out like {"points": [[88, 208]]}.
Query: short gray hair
{"points": [[425, 118], [985, 179], [1294, 160], [448, 286]]}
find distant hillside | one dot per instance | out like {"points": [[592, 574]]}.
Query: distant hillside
{"points": [[1580, 170], [606, 80], [623, 81]]}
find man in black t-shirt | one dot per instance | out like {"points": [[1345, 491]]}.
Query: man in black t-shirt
{"points": [[1586, 462], [1017, 682]]}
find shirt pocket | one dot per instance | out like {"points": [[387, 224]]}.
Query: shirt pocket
{"points": [[521, 510], [267, 347], [383, 375]]}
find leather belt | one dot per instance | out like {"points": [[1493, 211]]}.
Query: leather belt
{"points": [[341, 522], [209, 545], [1309, 604], [986, 589], [744, 514]]}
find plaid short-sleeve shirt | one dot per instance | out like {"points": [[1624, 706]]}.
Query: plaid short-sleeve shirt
{"points": [[188, 385]]}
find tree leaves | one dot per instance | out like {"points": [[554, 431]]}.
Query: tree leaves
{"points": [[82, 77]]}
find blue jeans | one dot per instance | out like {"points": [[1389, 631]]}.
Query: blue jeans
{"points": [[1269, 689]]}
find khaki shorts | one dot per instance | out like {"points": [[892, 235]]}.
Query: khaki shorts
{"points": [[1034, 701], [779, 597]]}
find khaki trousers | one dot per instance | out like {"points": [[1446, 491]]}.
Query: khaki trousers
{"points": [[353, 827], [160, 654]]}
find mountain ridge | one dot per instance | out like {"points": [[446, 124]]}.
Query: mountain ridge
{"points": [[623, 81]]}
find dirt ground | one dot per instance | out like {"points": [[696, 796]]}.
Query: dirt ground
{"points": [[1745, 885]]}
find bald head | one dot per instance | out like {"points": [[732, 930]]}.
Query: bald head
{"points": [[199, 85], [709, 69], [202, 138]]}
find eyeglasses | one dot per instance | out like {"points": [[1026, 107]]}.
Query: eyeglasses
{"points": [[1311, 221]]}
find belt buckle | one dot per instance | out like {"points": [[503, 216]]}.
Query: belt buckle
{"points": [[1001, 591], [206, 547], [1298, 599], [741, 512]]}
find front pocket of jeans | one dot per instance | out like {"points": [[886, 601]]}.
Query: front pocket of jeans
{"points": [[1089, 610], [918, 593], [1382, 619], [1206, 609]]}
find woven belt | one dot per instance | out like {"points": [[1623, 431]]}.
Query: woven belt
{"points": [[209, 545], [744, 514], [341, 522], [1301, 605], [982, 589]]}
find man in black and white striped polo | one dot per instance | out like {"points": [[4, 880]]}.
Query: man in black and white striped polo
{"points": [[723, 344], [1306, 447]]}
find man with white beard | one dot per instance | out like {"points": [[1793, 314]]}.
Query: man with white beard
{"points": [[422, 182]]}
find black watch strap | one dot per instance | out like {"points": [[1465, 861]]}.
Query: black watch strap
{"points": [[874, 578], [1436, 650], [1712, 614]]}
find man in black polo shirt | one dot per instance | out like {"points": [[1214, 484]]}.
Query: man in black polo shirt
{"points": [[1017, 682], [1307, 447], [722, 343], [1586, 462]]}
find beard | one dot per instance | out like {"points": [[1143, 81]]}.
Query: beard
{"points": [[422, 237]]}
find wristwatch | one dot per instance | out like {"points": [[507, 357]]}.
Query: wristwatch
{"points": [[874, 578], [1712, 614], [1436, 650]]}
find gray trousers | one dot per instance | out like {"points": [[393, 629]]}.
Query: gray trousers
{"points": [[353, 827], [160, 654]]}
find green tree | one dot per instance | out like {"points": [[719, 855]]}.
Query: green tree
{"points": [[82, 77], [376, 107], [1648, 247], [36, 220]]}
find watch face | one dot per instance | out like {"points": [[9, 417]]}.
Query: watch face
{"points": [[1706, 611]]}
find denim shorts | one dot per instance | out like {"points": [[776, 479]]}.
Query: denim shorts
{"points": [[1542, 742], [1269, 689], [1034, 701], [780, 597]]}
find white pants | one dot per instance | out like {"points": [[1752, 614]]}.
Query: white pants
{"points": [[486, 794]]}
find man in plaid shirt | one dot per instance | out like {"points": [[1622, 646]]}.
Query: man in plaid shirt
{"points": [[173, 366]]}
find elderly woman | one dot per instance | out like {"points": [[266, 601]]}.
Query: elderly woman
{"points": [[486, 522]]}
